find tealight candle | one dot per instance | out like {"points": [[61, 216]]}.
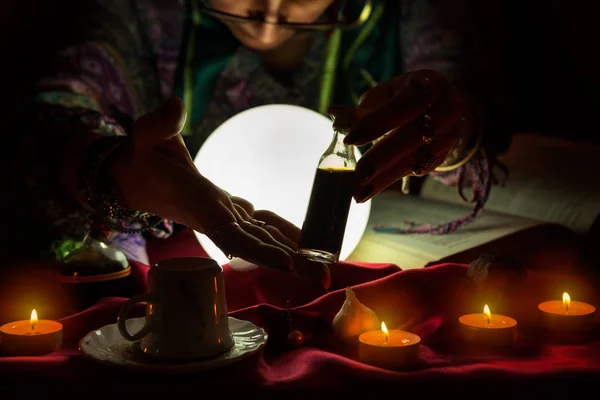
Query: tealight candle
{"points": [[567, 315], [388, 348], [31, 337], [488, 329]]}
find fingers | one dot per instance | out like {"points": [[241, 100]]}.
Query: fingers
{"points": [[344, 117], [243, 203], [403, 141], [406, 103], [290, 230], [281, 238], [234, 230], [237, 242], [241, 213], [267, 233], [164, 123], [336, 110], [378, 96], [265, 236], [426, 157]]}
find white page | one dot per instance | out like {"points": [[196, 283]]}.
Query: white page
{"points": [[550, 179], [408, 251]]}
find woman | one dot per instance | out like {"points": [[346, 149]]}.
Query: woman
{"points": [[110, 156]]}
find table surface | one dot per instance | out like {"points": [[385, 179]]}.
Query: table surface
{"points": [[424, 301]]}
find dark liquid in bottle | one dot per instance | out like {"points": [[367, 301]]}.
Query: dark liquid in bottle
{"points": [[328, 209]]}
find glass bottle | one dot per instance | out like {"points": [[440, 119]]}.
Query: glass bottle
{"points": [[94, 271], [329, 205]]}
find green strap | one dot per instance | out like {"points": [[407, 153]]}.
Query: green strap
{"points": [[332, 57], [366, 31], [329, 71], [188, 71]]}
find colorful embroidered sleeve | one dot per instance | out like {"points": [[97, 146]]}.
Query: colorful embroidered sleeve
{"points": [[92, 91]]}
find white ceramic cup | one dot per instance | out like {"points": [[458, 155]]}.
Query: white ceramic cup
{"points": [[186, 311]]}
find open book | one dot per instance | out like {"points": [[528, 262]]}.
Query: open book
{"points": [[551, 182]]}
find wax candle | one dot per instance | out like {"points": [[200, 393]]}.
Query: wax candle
{"points": [[388, 348], [30, 337], [488, 329], [567, 315]]}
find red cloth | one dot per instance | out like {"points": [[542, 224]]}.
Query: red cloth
{"points": [[425, 301]]}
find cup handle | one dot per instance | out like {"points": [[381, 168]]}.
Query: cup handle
{"points": [[140, 298]]}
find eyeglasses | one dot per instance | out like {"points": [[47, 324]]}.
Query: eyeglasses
{"points": [[347, 18]]}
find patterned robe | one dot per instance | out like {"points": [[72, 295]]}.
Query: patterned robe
{"points": [[126, 64]]}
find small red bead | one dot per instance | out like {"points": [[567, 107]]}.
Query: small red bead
{"points": [[295, 338]]}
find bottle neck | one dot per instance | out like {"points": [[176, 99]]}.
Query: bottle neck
{"points": [[338, 155], [337, 143]]}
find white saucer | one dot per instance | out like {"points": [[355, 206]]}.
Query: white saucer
{"points": [[107, 346]]}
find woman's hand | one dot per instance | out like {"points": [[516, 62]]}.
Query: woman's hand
{"points": [[413, 120], [157, 175]]}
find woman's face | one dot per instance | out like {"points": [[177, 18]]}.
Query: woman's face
{"points": [[266, 36]]}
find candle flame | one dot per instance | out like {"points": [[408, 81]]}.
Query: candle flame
{"points": [[566, 301], [385, 331], [34, 319], [487, 314]]}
